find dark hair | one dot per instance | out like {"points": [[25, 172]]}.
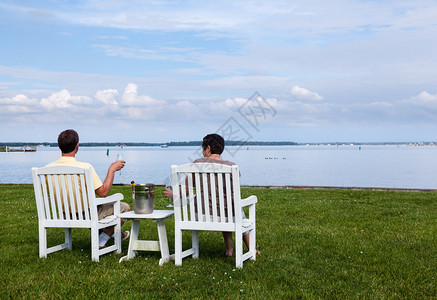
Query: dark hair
{"points": [[67, 140], [215, 141]]}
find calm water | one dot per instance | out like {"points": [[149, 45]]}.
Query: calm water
{"points": [[372, 166]]}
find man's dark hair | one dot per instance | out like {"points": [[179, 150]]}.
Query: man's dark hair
{"points": [[67, 140], [215, 141]]}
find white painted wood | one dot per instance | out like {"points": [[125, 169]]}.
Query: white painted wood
{"points": [[135, 244], [141, 245], [57, 190], [223, 182]]}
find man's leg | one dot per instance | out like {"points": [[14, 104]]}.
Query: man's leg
{"points": [[227, 237], [107, 210], [246, 242]]}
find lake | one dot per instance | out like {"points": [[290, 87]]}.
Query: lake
{"points": [[386, 166]]}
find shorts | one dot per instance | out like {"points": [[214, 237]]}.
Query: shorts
{"points": [[107, 209]]}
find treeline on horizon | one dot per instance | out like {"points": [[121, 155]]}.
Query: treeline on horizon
{"points": [[137, 144], [198, 143]]}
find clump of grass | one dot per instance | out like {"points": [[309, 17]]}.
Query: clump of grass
{"points": [[314, 243]]}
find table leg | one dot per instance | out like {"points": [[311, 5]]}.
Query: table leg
{"points": [[135, 228], [146, 245], [163, 242]]}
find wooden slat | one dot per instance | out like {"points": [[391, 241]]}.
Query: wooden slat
{"points": [[88, 186], [229, 196], [184, 197], [71, 197], [205, 194], [177, 196], [213, 197], [45, 196], [199, 195], [67, 201], [236, 192], [56, 206], [175, 185], [86, 203], [191, 195], [221, 197], [78, 196]]}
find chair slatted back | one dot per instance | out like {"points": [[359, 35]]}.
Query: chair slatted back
{"points": [[62, 195], [206, 193]]}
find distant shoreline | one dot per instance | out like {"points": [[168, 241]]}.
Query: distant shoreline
{"points": [[198, 143], [287, 187]]}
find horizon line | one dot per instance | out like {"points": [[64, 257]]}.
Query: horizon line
{"points": [[228, 142]]}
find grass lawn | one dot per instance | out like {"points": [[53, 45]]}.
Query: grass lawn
{"points": [[339, 244]]}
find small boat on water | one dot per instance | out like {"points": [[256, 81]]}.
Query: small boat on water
{"points": [[164, 146]]}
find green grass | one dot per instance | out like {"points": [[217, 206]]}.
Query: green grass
{"points": [[338, 244]]}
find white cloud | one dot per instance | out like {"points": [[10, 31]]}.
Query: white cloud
{"points": [[424, 99], [108, 96], [64, 100], [19, 100], [111, 106], [302, 93], [17, 106], [139, 113], [131, 98]]}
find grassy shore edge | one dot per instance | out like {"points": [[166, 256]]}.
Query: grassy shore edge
{"points": [[316, 243]]}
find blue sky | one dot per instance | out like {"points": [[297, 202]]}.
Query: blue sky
{"points": [[159, 71]]}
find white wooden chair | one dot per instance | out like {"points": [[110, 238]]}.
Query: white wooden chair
{"points": [[195, 188], [56, 190]]}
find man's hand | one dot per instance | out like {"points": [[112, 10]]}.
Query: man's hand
{"points": [[168, 193], [117, 166], [107, 184]]}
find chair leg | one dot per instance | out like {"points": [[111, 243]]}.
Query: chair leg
{"points": [[42, 241], [252, 233], [68, 239], [94, 244], [117, 236], [238, 249], [195, 243], [178, 247], [252, 243]]}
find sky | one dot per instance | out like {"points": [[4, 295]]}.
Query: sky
{"points": [[161, 71]]}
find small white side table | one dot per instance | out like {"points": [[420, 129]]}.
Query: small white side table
{"points": [[135, 245]]}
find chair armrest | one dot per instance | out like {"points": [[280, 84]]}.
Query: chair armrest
{"points": [[249, 201], [110, 199]]}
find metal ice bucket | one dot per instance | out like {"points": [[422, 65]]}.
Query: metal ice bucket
{"points": [[143, 197]]}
